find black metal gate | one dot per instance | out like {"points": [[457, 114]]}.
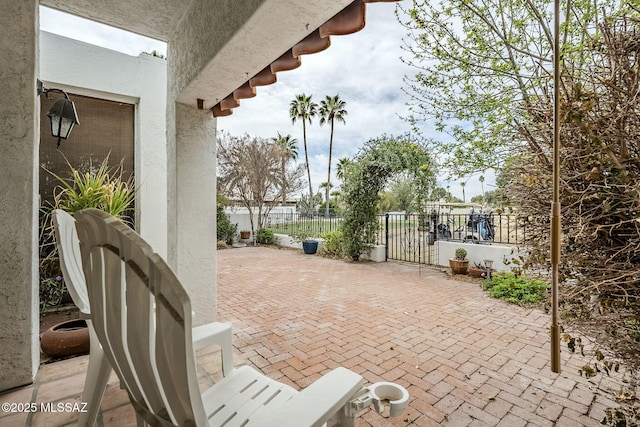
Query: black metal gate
{"points": [[409, 238]]}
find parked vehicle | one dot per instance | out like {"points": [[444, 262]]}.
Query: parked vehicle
{"points": [[477, 229], [471, 228]]}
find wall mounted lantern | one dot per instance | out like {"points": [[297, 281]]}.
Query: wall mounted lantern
{"points": [[62, 114]]}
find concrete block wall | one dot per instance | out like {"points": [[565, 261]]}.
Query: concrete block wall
{"points": [[477, 253]]}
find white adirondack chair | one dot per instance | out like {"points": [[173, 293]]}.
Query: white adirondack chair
{"points": [[99, 367], [142, 316]]}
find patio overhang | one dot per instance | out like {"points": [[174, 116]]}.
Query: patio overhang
{"points": [[224, 53]]}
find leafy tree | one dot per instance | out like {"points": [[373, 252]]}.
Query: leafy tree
{"points": [[365, 177], [249, 169], [600, 161], [307, 205], [386, 202], [481, 67], [440, 194], [289, 147], [404, 192], [332, 108], [302, 108]]}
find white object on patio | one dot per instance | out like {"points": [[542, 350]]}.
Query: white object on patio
{"points": [[142, 317], [99, 367]]}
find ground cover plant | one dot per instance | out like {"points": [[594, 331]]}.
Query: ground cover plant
{"points": [[516, 289]]}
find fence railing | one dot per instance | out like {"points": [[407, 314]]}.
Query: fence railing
{"points": [[290, 223], [471, 227]]}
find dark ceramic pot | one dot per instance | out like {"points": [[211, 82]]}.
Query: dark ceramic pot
{"points": [[310, 247]]}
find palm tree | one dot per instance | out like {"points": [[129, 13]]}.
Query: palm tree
{"points": [[341, 169], [462, 184], [331, 109], [304, 109], [481, 179], [289, 151]]}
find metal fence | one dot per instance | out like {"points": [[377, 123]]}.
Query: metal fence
{"points": [[288, 223], [411, 237]]}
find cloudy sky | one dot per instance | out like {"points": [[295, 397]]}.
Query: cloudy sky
{"points": [[363, 68]]}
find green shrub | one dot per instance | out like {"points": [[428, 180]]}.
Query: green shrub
{"points": [[516, 289], [51, 292], [224, 229], [333, 244], [265, 236]]}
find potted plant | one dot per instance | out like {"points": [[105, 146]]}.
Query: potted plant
{"points": [[245, 234], [459, 264], [477, 270], [306, 236]]}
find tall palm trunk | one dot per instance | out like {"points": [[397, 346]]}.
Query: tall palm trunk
{"points": [[306, 158], [326, 209]]}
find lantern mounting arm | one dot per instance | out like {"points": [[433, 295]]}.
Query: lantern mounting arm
{"points": [[62, 113], [45, 91]]}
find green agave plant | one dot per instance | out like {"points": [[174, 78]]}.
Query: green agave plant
{"points": [[99, 187]]}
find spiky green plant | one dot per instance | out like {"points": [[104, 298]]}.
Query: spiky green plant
{"points": [[102, 188], [99, 187]]}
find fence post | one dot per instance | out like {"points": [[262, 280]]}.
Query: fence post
{"points": [[386, 236]]}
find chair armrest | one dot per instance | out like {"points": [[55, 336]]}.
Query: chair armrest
{"points": [[316, 404], [219, 334]]}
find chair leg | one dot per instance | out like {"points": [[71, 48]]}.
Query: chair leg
{"points": [[95, 383]]}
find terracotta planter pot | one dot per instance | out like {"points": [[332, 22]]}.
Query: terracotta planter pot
{"points": [[245, 235], [66, 339], [476, 272], [459, 267]]}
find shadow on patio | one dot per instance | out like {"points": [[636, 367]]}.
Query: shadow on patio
{"points": [[466, 359]]}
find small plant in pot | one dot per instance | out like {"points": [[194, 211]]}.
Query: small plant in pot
{"points": [[306, 236], [459, 264]]}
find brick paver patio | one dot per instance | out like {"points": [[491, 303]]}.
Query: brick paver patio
{"points": [[466, 359]]}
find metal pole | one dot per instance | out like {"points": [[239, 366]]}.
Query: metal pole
{"points": [[386, 237], [555, 204]]}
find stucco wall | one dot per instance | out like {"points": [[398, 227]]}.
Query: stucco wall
{"points": [[19, 351], [102, 73], [477, 253], [196, 209]]}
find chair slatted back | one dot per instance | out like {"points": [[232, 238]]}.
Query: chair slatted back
{"points": [[142, 317], [69, 249]]}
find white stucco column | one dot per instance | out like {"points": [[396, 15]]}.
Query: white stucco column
{"points": [[19, 352], [195, 208]]}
